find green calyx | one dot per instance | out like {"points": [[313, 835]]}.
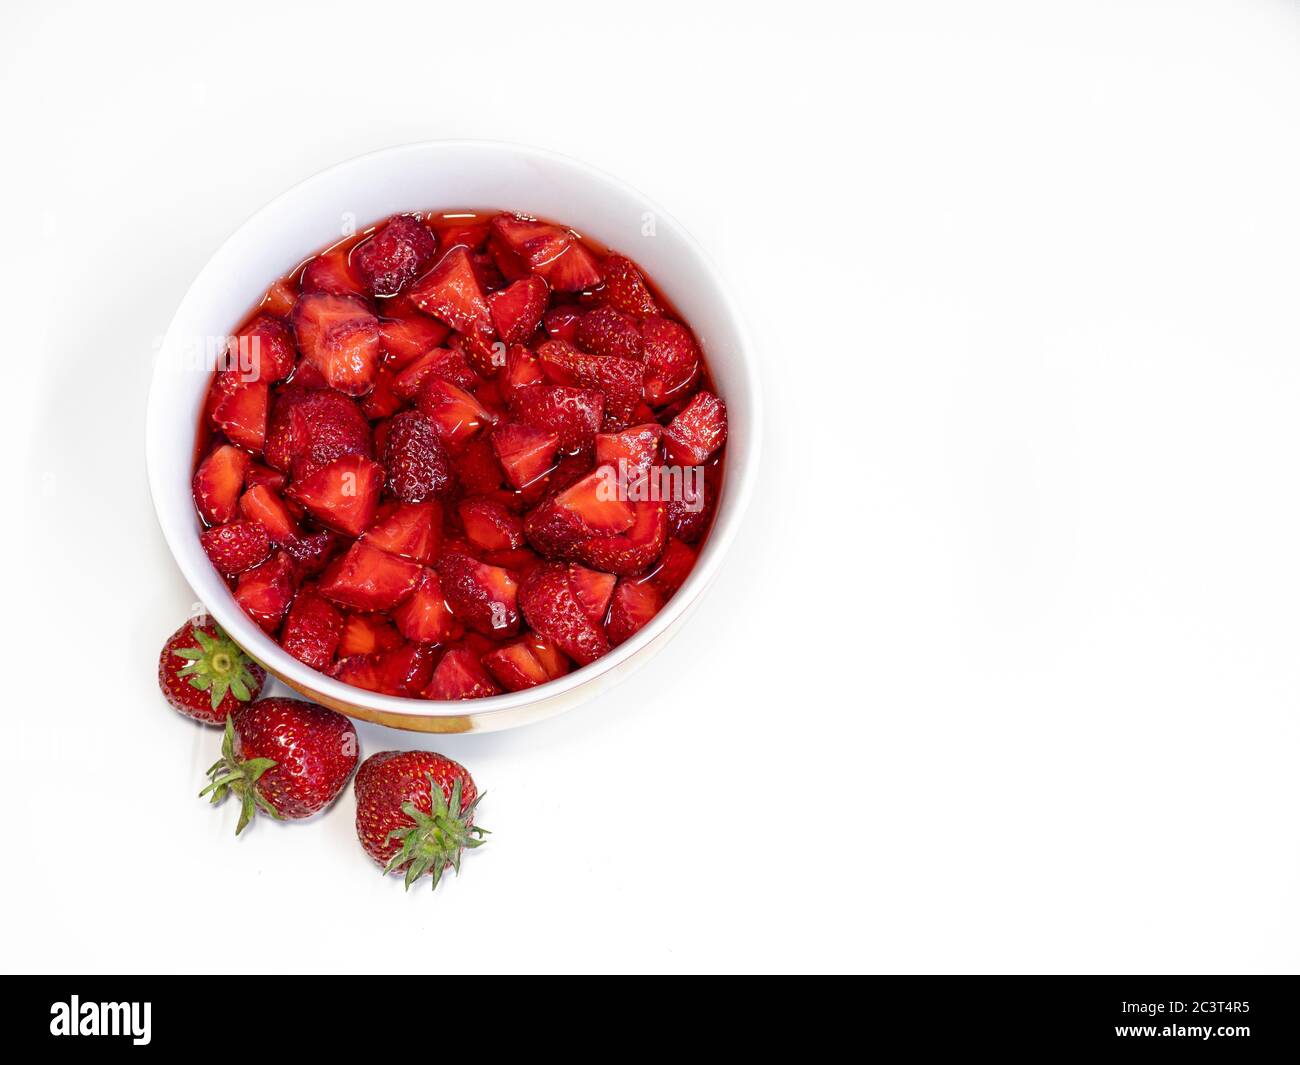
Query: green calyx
{"points": [[216, 666], [231, 775], [436, 839]]}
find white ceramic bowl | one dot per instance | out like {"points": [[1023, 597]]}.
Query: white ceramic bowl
{"points": [[442, 175]]}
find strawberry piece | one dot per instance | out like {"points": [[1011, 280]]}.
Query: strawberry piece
{"points": [[312, 630], [637, 446], [425, 616], [266, 591], [460, 676], [593, 591], [689, 513], [589, 507], [451, 292], [450, 232], [517, 310], [369, 579], [343, 495], [617, 378], [403, 340], [489, 526], [573, 414], [456, 415], [605, 331], [409, 530], [309, 430], [562, 323], [521, 369], [263, 475], [450, 363], [574, 271], [217, 484], [525, 453], [311, 554], [519, 561], [672, 359], [697, 431], [407, 670], [306, 376], [416, 464], [362, 671], [339, 335], [280, 298], [674, 567], [381, 401], [547, 600], [366, 634], [236, 546], [240, 413], [632, 551], [548, 653], [329, 272], [395, 256], [264, 350], [483, 597], [515, 667], [538, 244], [625, 289], [476, 467], [634, 604]]}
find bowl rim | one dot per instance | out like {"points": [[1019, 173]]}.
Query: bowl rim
{"points": [[720, 538]]}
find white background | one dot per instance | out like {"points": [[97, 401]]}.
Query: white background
{"points": [[1001, 674]]}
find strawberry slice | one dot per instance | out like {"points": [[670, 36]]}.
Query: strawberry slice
{"points": [[408, 530], [264, 506], [329, 272], [365, 634], [590, 507], [362, 671], [672, 359], [310, 430], [313, 629], [381, 401], [489, 526], [674, 567], [450, 232], [632, 551], [521, 369], [538, 244], [593, 590], [240, 413], [573, 414], [259, 474], [369, 579], [217, 484], [425, 616], [483, 597], [311, 554], [548, 653], [689, 513], [343, 495], [517, 310], [617, 378], [406, 670], [456, 415], [562, 323], [339, 335], [637, 446], [403, 340], [605, 331], [547, 600], [450, 363], [450, 291], [266, 591], [574, 271], [515, 667], [394, 256], [236, 546], [697, 431], [476, 467], [525, 453], [280, 298], [416, 464], [460, 676], [635, 603], [625, 289], [264, 350]]}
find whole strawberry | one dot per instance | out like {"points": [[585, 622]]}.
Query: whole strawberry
{"points": [[285, 757], [415, 809], [203, 673]]}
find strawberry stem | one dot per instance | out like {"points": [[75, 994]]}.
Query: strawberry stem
{"points": [[216, 666], [230, 775], [436, 839]]}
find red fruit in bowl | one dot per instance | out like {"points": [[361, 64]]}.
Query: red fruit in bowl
{"points": [[241, 414], [625, 289], [203, 673], [218, 482], [236, 546], [365, 634], [263, 350], [451, 292], [456, 415], [407, 670], [394, 256], [266, 591], [517, 309], [697, 431], [593, 591], [343, 495], [525, 453], [675, 565], [329, 272], [672, 359], [521, 369], [632, 551], [606, 331], [339, 335], [415, 812], [310, 554], [460, 675], [617, 378], [424, 616], [313, 629], [366, 578], [637, 446], [416, 464], [442, 362], [285, 757], [562, 323], [551, 606], [688, 514], [411, 530], [634, 604], [489, 526], [404, 340], [310, 430], [484, 598], [573, 414], [585, 509], [515, 667]]}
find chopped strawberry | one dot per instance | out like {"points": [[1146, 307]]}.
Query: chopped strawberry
{"points": [[280, 298], [525, 453], [416, 463], [674, 567], [381, 401], [638, 446], [689, 513], [521, 369], [369, 579], [605, 331], [672, 359], [633, 550], [425, 616], [548, 654], [236, 546], [573, 414], [460, 676], [306, 376], [593, 591], [406, 670], [330, 272], [617, 378], [515, 667], [489, 526], [362, 671], [309, 430], [476, 467], [517, 310], [409, 530], [395, 256], [635, 603], [339, 335], [452, 231], [573, 271], [311, 554], [547, 600], [519, 560], [265, 506], [312, 630], [217, 484], [562, 323], [365, 634], [263, 350], [264, 475], [240, 413], [538, 243], [625, 289], [456, 415], [450, 363], [590, 507], [483, 597], [697, 432], [266, 591], [343, 495], [403, 340], [450, 291]]}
